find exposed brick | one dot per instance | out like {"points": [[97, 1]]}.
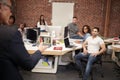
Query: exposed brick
{"points": [[90, 12]]}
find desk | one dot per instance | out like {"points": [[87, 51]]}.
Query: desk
{"points": [[114, 48], [49, 51], [110, 40]]}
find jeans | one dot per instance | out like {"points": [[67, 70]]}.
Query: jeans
{"points": [[91, 60], [43, 31], [76, 37]]}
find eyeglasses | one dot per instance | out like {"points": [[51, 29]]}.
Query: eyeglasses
{"points": [[11, 8]]}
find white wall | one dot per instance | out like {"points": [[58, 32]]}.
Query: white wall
{"points": [[62, 13]]}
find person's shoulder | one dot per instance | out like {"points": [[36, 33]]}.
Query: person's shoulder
{"points": [[70, 24], [88, 34], [8, 27], [38, 22], [7, 31], [89, 37], [99, 38], [13, 28]]}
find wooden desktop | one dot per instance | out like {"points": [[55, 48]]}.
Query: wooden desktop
{"points": [[55, 53]]}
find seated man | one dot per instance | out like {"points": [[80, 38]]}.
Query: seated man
{"points": [[73, 29], [95, 47]]}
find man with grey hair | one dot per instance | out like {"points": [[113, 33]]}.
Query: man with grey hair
{"points": [[12, 51]]}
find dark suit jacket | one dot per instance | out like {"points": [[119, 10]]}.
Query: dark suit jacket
{"points": [[13, 54]]}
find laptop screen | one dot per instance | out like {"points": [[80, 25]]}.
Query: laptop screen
{"points": [[66, 42], [66, 32]]}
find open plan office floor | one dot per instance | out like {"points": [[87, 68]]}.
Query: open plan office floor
{"points": [[111, 72]]}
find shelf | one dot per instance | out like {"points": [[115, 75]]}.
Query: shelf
{"points": [[45, 64], [51, 69]]}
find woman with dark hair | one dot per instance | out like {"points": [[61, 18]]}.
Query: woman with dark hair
{"points": [[86, 32], [42, 23]]}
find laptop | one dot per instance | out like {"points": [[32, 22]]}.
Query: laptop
{"points": [[67, 43]]}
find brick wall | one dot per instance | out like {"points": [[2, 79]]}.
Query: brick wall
{"points": [[114, 28], [90, 12], [29, 11]]}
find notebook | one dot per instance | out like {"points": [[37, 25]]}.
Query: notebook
{"points": [[67, 43]]}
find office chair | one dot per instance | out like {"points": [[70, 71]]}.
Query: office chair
{"points": [[98, 62]]}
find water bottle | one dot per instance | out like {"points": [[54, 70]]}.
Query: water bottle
{"points": [[53, 34]]}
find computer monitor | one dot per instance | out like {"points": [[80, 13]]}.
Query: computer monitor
{"points": [[38, 30], [57, 29], [32, 34], [66, 32]]}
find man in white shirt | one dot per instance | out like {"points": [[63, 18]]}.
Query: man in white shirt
{"points": [[95, 47]]}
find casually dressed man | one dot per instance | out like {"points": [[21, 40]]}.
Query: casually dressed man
{"points": [[12, 51], [95, 47], [74, 29]]}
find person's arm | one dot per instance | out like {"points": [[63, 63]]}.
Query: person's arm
{"points": [[86, 36], [46, 23], [80, 34], [38, 24], [20, 56], [85, 47], [46, 26], [102, 49]]}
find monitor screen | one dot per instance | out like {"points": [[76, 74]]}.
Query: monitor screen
{"points": [[57, 29], [66, 41], [66, 32], [32, 34]]}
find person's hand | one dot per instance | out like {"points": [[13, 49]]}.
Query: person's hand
{"points": [[94, 54], [85, 51], [41, 47]]}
